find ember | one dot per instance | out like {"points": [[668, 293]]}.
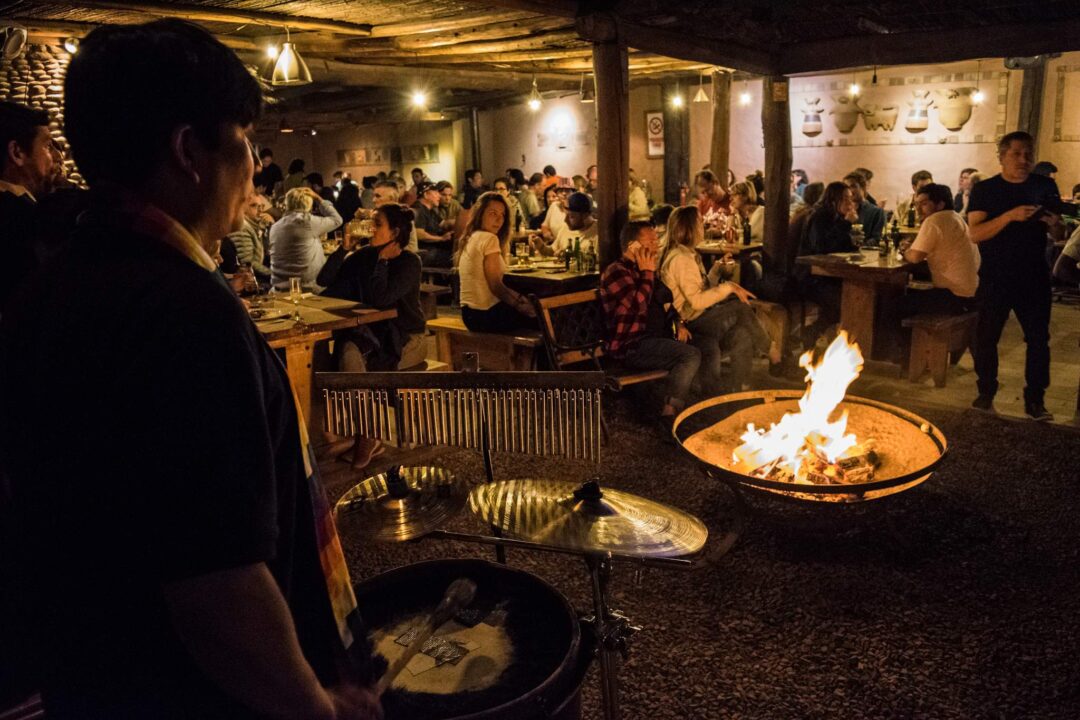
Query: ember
{"points": [[808, 446]]}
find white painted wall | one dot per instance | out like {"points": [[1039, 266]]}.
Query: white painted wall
{"points": [[1062, 75]]}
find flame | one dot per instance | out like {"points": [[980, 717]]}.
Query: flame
{"points": [[800, 435]]}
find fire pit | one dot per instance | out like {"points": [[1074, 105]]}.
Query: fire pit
{"points": [[814, 446]]}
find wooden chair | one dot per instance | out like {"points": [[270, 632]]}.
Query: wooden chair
{"points": [[497, 351], [574, 332], [933, 338]]}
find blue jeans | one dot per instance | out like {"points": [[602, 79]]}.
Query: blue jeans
{"points": [[730, 328], [679, 359]]}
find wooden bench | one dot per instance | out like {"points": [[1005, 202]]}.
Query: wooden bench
{"points": [[497, 351], [429, 299], [933, 337], [574, 331]]}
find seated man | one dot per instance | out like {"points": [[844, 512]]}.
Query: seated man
{"points": [[639, 326], [871, 217], [436, 243], [1067, 266], [905, 211], [953, 259], [449, 207], [579, 226]]}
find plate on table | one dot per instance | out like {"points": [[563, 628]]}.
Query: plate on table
{"points": [[551, 265], [522, 270], [264, 314]]}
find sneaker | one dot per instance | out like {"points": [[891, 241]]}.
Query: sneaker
{"points": [[1038, 412], [983, 402]]}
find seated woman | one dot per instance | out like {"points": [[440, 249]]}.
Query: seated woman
{"points": [[383, 274], [296, 239], [487, 305], [827, 231], [744, 206], [719, 325]]}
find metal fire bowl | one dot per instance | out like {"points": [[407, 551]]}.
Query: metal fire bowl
{"points": [[708, 412]]}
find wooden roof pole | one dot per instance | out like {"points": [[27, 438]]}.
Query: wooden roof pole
{"points": [[208, 13], [612, 107], [776, 127], [720, 149]]}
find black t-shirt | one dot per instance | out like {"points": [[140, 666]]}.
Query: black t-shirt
{"points": [[1019, 250], [150, 436], [427, 220], [268, 177], [383, 284], [17, 231]]}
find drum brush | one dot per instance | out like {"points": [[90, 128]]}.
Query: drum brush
{"points": [[457, 596]]}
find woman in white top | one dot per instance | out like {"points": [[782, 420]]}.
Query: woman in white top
{"points": [[744, 206], [486, 304], [296, 239], [719, 324]]}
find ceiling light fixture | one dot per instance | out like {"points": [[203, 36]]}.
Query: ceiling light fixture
{"points": [[978, 97], [71, 44], [701, 96], [873, 80], [284, 126], [535, 100], [272, 52], [745, 97], [677, 98], [419, 99], [588, 90], [290, 68]]}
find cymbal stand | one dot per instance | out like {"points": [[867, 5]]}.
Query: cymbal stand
{"points": [[611, 628]]}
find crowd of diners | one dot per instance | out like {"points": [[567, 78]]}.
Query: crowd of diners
{"points": [[183, 494]]}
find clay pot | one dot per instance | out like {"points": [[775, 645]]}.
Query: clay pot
{"points": [[846, 113]]}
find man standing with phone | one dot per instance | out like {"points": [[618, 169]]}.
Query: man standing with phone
{"points": [[1008, 216]]}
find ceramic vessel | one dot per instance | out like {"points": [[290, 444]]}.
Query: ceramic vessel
{"points": [[846, 114], [954, 107]]}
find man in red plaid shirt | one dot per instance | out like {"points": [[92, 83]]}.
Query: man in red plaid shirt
{"points": [[638, 326]]}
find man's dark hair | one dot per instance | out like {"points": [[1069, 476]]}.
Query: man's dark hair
{"points": [[1017, 136], [706, 176], [920, 176], [1044, 167], [296, 166], [857, 178], [660, 214], [535, 179], [470, 174], [443, 184], [416, 170], [813, 192], [130, 86], [18, 123], [867, 174], [266, 153], [936, 193], [314, 179], [368, 181], [517, 176], [631, 231], [400, 219], [801, 174], [549, 170], [504, 180], [1076, 189], [968, 171]]}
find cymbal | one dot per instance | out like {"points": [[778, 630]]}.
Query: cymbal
{"points": [[401, 504], [582, 517]]}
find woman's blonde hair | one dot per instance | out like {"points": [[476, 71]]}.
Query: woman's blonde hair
{"points": [[298, 200], [684, 227], [746, 190], [476, 221]]}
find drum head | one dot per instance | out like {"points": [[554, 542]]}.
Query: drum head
{"points": [[512, 646]]}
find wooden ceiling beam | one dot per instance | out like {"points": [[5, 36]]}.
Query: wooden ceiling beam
{"points": [[681, 46], [479, 33], [392, 58], [554, 8], [915, 48], [459, 21], [206, 13], [534, 42]]}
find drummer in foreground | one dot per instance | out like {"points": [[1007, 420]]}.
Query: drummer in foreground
{"points": [[171, 548]]}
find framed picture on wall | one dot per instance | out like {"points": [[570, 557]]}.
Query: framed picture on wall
{"points": [[363, 156], [420, 154], [654, 134]]}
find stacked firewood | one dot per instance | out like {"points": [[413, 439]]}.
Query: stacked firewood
{"points": [[857, 465]]}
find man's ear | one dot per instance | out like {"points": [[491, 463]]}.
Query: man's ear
{"points": [[183, 150], [14, 154]]}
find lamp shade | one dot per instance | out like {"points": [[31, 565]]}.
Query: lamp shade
{"points": [[701, 95], [290, 68]]}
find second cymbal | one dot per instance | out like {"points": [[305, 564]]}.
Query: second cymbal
{"points": [[401, 504], [587, 518]]}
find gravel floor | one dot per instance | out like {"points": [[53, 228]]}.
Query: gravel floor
{"points": [[970, 611]]}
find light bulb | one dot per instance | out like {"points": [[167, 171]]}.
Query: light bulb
{"points": [[419, 99], [272, 52], [314, 131], [534, 104], [744, 98], [854, 89], [676, 101], [71, 44], [978, 97]]}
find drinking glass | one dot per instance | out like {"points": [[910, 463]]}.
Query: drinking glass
{"points": [[296, 294], [521, 251]]}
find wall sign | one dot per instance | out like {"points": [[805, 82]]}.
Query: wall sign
{"points": [[654, 134], [364, 156]]}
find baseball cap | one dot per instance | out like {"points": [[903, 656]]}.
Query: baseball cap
{"points": [[579, 202], [424, 187]]}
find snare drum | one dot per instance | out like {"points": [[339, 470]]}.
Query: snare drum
{"points": [[516, 652]]}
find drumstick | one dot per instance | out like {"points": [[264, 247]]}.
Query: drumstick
{"points": [[458, 595]]}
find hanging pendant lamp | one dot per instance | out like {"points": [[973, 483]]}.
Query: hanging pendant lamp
{"points": [[290, 68], [701, 96]]}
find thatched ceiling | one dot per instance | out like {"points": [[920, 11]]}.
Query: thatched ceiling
{"points": [[485, 51]]}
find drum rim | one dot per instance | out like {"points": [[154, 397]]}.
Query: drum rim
{"points": [[570, 658]]}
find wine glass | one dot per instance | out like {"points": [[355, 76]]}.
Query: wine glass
{"points": [[296, 294]]}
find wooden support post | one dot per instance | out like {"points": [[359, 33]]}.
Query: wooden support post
{"points": [[720, 151], [1031, 100], [676, 143], [612, 130], [776, 127]]}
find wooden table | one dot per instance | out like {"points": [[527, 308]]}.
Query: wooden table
{"points": [[320, 317], [711, 251], [545, 283], [866, 280]]}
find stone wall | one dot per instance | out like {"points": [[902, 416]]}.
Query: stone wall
{"points": [[36, 79]]}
